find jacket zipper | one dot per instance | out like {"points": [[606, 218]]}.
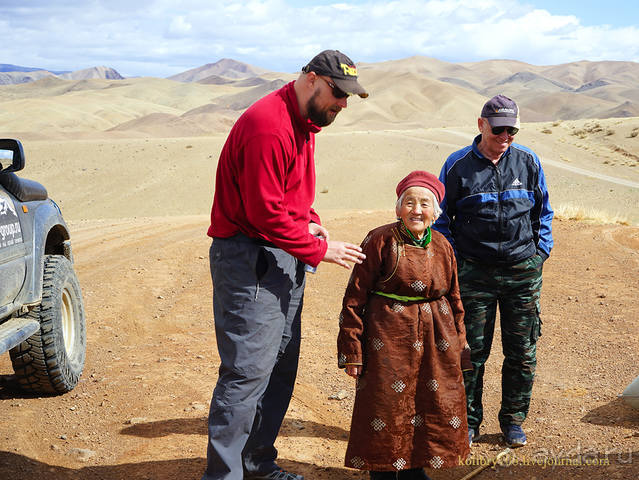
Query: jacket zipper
{"points": [[499, 210]]}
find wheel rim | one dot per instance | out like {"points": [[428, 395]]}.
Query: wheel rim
{"points": [[68, 322]]}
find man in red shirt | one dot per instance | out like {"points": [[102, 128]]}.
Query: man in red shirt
{"points": [[265, 232]]}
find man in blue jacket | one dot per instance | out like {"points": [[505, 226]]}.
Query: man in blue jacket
{"points": [[497, 216]]}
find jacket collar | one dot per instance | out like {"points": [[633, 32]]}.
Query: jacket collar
{"points": [[302, 124]]}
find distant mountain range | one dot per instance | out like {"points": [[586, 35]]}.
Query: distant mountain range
{"points": [[410, 93], [573, 90], [218, 73], [11, 74], [7, 67]]}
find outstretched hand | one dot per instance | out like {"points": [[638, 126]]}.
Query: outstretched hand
{"points": [[343, 253]]}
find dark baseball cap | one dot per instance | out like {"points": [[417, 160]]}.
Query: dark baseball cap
{"points": [[501, 111], [340, 68]]}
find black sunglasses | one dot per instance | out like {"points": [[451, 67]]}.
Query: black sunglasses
{"points": [[337, 92], [512, 131]]}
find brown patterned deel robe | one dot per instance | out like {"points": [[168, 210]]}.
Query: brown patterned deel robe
{"points": [[410, 407]]}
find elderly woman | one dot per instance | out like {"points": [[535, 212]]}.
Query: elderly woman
{"points": [[402, 336]]}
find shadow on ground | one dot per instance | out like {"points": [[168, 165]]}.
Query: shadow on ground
{"points": [[615, 413], [198, 426], [592, 465], [19, 467], [10, 389]]}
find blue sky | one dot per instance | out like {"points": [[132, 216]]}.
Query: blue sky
{"points": [[164, 37]]}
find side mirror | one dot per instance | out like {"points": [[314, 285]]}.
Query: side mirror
{"points": [[11, 155]]}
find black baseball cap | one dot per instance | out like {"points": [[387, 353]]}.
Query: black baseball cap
{"points": [[340, 68], [501, 111]]}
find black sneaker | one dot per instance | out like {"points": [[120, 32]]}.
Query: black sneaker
{"points": [[277, 475]]}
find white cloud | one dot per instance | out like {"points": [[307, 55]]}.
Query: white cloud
{"points": [[163, 37], [179, 27]]}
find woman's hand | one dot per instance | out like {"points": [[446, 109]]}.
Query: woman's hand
{"points": [[353, 370]]}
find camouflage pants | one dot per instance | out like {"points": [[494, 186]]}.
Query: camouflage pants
{"points": [[516, 289]]}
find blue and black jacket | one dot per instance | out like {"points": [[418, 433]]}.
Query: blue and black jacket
{"points": [[496, 213]]}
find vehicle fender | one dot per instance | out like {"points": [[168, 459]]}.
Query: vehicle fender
{"points": [[49, 236]]}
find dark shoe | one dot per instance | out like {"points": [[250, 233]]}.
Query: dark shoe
{"points": [[473, 434], [382, 475], [413, 474], [514, 436], [276, 475]]}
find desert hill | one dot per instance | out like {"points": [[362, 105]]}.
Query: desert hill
{"points": [[413, 92], [609, 88], [8, 67], [106, 73], [9, 78], [27, 75], [226, 68]]}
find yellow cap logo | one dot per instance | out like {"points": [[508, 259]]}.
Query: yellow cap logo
{"points": [[348, 69]]}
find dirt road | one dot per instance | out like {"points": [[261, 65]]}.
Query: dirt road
{"points": [[140, 409]]}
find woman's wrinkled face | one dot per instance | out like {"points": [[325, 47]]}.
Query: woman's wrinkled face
{"points": [[417, 210]]}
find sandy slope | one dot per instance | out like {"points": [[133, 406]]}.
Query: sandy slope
{"points": [[112, 149], [115, 178]]}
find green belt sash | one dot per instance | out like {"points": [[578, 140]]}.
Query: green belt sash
{"points": [[401, 298]]}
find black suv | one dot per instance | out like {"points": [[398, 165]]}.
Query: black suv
{"points": [[42, 320]]}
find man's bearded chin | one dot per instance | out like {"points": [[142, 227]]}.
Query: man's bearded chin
{"points": [[321, 118]]}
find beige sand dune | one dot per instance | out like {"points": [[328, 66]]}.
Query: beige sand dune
{"points": [[580, 73], [161, 124], [407, 93], [113, 178]]}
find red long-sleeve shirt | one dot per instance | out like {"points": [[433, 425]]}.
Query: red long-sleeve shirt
{"points": [[265, 181]]}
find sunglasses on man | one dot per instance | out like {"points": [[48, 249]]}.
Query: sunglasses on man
{"points": [[512, 131], [337, 92]]}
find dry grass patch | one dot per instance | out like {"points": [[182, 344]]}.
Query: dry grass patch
{"points": [[625, 153], [591, 128], [567, 211]]}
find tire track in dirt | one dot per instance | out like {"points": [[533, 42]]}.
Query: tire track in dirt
{"points": [[589, 173], [626, 240]]}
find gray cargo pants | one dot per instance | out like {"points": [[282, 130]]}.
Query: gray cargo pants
{"points": [[257, 303]]}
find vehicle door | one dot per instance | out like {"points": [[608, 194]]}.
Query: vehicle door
{"points": [[13, 265]]}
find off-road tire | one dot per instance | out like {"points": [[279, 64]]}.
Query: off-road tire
{"points": [[52, 359]]}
